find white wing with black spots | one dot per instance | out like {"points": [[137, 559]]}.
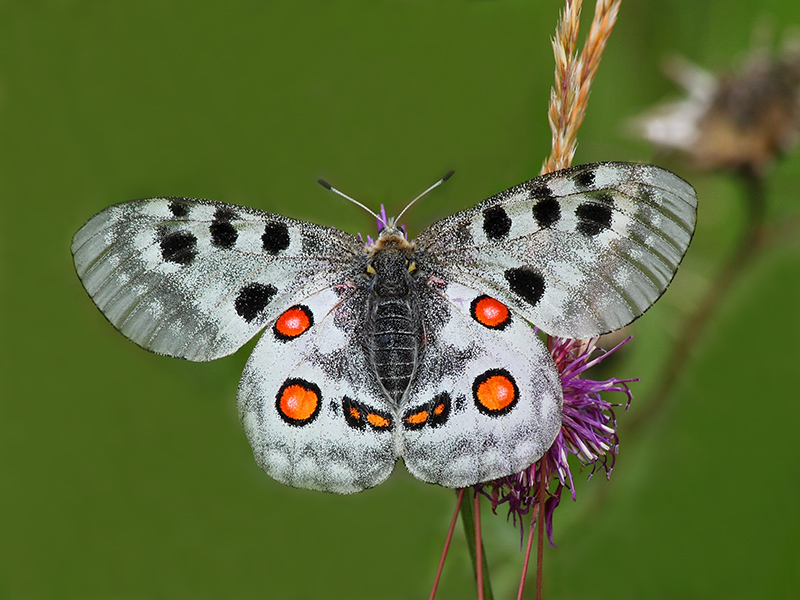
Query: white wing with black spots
{"points": [[311, 407], [420, 350], [196, 279], [485, 401], [580, 252], [487, 388]]}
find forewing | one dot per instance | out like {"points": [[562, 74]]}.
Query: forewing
{"points": [[195, 278], [310, 403], [486, 400], [579, 252]]}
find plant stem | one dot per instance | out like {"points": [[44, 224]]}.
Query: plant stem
{"points": [[447, 544], [468, 520], [544, 479]]}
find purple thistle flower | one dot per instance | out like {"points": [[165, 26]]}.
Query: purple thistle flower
{"points": [[588, 431], [383, 219]]}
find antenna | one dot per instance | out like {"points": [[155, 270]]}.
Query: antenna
{"points": [[447, 176], [380, 219], [328, 186]]}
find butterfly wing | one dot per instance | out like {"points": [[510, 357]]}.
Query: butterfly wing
{"points": [[486, 400], [579, 252], [311, 405], [196, 279]]}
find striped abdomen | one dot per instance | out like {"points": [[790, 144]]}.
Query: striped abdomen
{"points": [[393, 344]]}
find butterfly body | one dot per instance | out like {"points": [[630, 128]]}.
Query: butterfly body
{"points": [[392, 314], [422, 350]]}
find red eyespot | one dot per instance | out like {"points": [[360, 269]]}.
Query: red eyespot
{"points": [[293, 322], [495, 392], [490, 312], [298, 401]]}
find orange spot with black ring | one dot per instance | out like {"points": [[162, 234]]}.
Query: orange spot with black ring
{"points": [[495, 392], [490, 313], [417, 418], [433, 413], [440, 409], [294, 322], [378, 421], [298, 401], [358, 416]]}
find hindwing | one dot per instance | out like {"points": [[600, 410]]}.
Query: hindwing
{"points": [[486, 401], [310, 403]]}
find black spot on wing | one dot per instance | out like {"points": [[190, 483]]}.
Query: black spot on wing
{"points": [[594, 217], [223, 234], [275, 237], [178, 208], [547, 212], [584, 178], [496, 223], [252, 299], [179, 247], [541, 192], [526, 283]]}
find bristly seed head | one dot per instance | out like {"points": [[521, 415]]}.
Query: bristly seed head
{"points": [[743, 119]]}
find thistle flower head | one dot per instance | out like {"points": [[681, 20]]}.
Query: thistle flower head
{"points": [[588, 432], [381, 221]]}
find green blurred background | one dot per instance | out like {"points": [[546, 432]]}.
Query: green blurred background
{"points": [[126, 475]]}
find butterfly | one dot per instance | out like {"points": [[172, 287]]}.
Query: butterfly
{"points": [[419, 349]]}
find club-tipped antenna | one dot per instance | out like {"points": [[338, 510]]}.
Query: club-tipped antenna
{"points": [[434, 186], [327, 185]]}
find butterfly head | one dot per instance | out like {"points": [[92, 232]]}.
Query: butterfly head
{"points": [[390, 261], [391, 238]]}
